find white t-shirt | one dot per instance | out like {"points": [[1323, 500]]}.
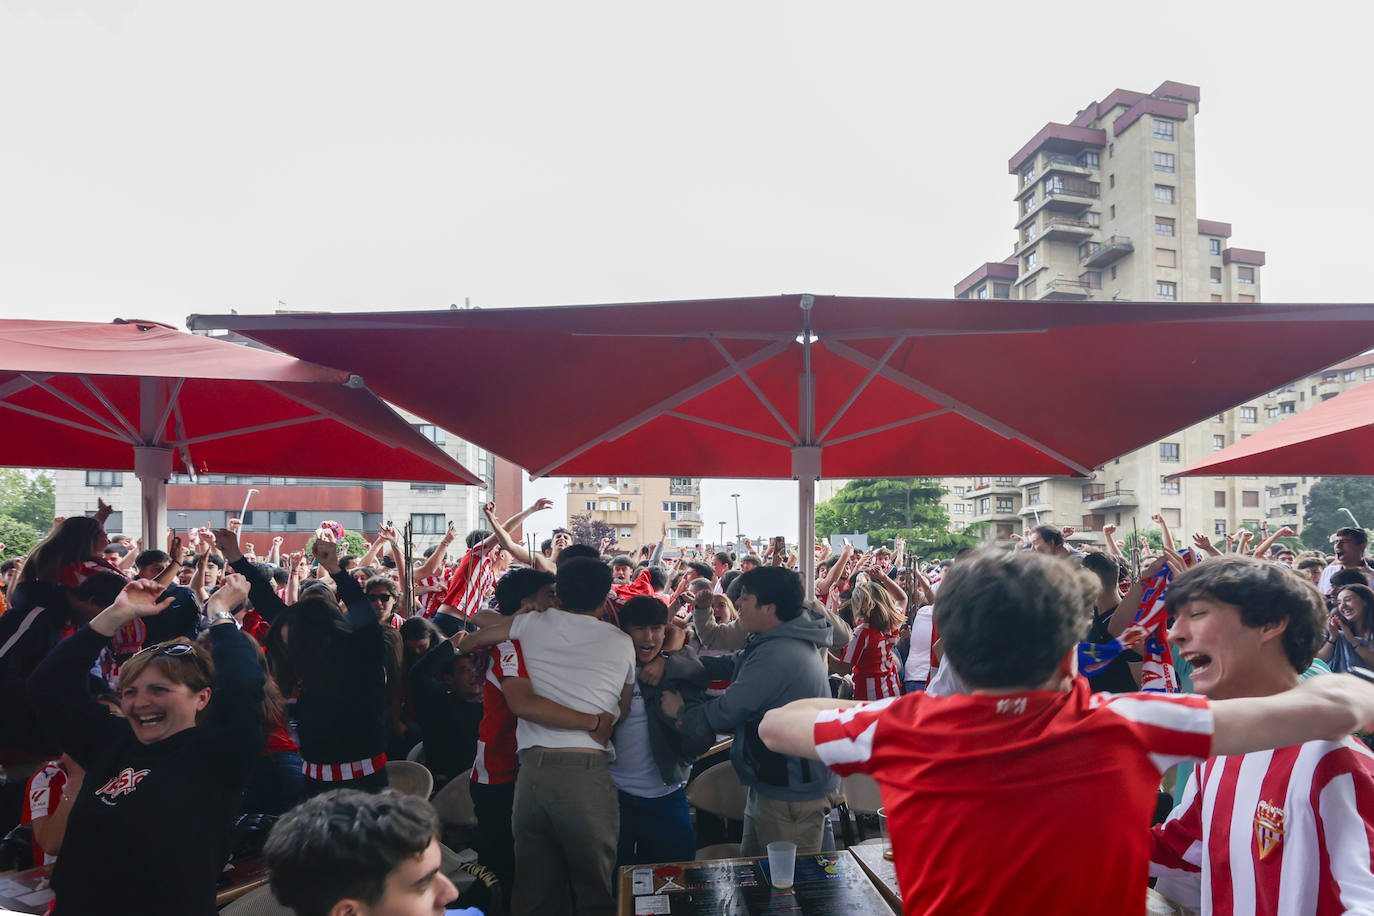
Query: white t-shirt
{"points": [[1324, 586], [576, 660], [920, 660]]}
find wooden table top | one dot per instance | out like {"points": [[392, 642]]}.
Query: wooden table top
{"points": [[882, 872]]}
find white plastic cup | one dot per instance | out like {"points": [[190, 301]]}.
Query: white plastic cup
{"points": [[782, 863]]}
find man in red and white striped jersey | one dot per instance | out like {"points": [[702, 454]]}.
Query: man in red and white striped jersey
{"points": [[475, 578], [1287, 831], [1032, 789]]}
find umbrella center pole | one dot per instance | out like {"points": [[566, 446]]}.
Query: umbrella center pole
{"points": [[806, 467], [153, 468]]}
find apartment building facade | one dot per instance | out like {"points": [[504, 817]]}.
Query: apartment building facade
{"points": [[641, 509], [1106, 209]]}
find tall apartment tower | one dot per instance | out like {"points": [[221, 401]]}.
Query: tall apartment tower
{"points": [[639, 508], [1106, 209]]}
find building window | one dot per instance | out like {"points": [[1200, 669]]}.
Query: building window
{"points": [[1214, 246], [1004, 504], [104, 478], [1113, 271], [1087, 248], [1111, 180], [1029, 204], [1245, 274], [1168, 451], [1164, 225], [1168, 487], [958, 491], [1166, 290], [1369, 372], [591, 505], [1033, 495], [1248, 414], [1244, 298], [1249, 498], [428, 486], [983, 291], [985, 505], [428, 522], [1028, 291], [1166, 257], [1112, 211], [1090, 159], [1219, 526], [1219, 418], [1164, 162], [430, 431], [1218, 443], [1091, 279], [1094, 219], [1111, 150], [1001, 290], [1029, 234], [1348, 375], [626, 532], [1215, 274], [1028, 175], [625, 507], [1164, 130], [1032, 259], [1164, 193], [1216, 297]]}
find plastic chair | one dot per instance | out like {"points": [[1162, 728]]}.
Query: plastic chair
{"points": [[417, 753], [409, 778], [453, 803], [718, 791]]}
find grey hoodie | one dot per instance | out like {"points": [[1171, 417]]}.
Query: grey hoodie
{"points": [[774, 668]]}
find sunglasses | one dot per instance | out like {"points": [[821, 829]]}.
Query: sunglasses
{"points": [[384, 597]]}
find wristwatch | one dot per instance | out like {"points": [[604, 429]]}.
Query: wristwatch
{"points": [[219, 616]]}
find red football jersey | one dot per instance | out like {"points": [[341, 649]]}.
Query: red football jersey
{"points": [[497, 761], [876, 673], [1284, 831], [1019, 803], [44, 792]]}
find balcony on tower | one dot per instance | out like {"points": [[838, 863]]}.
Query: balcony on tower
{"points": [[1104, 253]]}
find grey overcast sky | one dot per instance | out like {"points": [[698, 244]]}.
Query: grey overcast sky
{"points": [[161, 158]]}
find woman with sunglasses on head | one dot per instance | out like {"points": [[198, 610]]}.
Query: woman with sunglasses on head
{"points": [[149, 831]]}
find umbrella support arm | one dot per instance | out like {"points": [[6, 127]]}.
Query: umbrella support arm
{"points": [[153, 467], [806, 467]]}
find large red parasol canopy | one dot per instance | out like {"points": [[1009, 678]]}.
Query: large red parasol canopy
{"points": [[140, 395], [809, 386], [1333, 438]]}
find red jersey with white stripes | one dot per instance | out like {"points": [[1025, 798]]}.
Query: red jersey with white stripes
{"points": [[473, 578], [41, 799], [430, 601], [876, 675], [1288, 831], [497, 761], [1034, 801]]}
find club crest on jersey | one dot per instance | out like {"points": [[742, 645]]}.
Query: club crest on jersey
{"points": [[1012, 706], [1268, 827], [122, 783]]}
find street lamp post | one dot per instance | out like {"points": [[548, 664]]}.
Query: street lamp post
{"points": [[739, 536], [722, 534]]}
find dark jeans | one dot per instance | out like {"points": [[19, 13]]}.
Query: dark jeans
{"points": [[655, 830], [495, 841], [276, 784], [914, 687]]}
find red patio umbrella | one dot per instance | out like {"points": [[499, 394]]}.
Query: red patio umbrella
{"points": [[142, 395], [810, 386], [1333, 438]]}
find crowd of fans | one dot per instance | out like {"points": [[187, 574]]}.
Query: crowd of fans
{"points": [[153, 698]]}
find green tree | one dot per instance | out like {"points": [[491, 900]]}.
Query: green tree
{"points": [[1323, 514], [591, 531], [886, 507], [18, 537], [353, 545], [27, 497]]}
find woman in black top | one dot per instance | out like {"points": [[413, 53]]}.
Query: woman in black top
{"points": [[338, 666], [149, 832]]}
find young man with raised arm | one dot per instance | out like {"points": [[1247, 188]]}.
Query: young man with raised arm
{"points": [[1034, 790]]}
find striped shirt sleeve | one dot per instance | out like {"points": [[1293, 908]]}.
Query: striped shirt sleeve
{"points": [[851, 651], [508, 660], [1171, 727], [844, 737], [1343, 801]]}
